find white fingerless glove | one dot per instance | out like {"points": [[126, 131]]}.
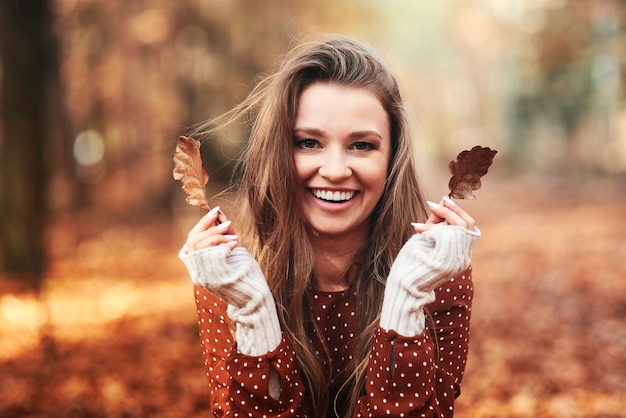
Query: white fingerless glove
{"points": [[424, 263], [236, 277]]}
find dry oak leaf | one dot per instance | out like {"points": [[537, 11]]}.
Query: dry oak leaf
{"points": [[469, 167], [188, 169]]}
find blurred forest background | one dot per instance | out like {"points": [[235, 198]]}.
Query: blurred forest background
{"points": [[96, 313]]}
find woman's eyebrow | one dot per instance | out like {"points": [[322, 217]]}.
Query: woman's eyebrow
{"points": [[310, 131], [355, 134], [364, 134]]}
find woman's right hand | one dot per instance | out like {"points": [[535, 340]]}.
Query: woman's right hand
{"points": [[211, 230], [227, 270]]}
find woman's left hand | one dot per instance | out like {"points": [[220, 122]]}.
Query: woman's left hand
{"points": [[446, 211], [425, 262]]}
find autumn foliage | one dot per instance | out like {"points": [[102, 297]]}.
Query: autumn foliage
{"points": [[188, 170], [469, 167]]}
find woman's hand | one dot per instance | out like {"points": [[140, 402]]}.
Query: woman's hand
{"points": [[425, 262], [212, 230], [227, 270], [446, 211]]}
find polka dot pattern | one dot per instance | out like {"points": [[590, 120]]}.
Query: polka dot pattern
{"points": [[406, 377], [335, 317]]}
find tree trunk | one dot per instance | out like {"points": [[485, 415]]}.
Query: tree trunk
{"points": [[27, 54]]}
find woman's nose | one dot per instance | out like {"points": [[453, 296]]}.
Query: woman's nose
{"points": [[335, 166]]}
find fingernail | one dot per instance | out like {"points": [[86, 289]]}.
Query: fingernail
{"points": [[223, 226], [417, 224], [213, 211], [449, 201], [231, 237], [433, 204]]}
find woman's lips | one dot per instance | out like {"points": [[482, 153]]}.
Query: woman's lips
{"points": [[333, 196]]}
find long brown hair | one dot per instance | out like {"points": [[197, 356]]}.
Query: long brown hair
{"points": [[276, 233]]}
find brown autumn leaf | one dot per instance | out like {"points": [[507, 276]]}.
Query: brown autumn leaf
{"points": [[188, 169], [469, 167]]}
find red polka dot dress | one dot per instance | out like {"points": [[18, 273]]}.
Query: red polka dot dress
{"points": [[407, 376]]}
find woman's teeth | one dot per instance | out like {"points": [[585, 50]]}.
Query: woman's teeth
{"points": [[333, 196]]}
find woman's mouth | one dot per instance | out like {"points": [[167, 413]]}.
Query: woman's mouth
{"points": [[333, 196]]}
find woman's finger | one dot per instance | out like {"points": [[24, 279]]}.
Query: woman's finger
{"points": [[220, 230], [450, 204], [449, 212], [419, 227], [206, 221], [230, 241], [211, 230], [221, 217], [446, 214], [209, 238]]}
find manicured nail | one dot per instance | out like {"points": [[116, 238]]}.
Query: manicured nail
{"points": [[433, 204], [449, 201], [418, 224], [223, 226], [231, 237], [213, 211]]}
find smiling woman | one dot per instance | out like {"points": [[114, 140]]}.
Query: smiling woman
{"points": [[342, 149], [323, 312]]}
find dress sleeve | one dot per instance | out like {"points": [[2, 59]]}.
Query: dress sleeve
{"points": [[451, 314], [421, 375], [239, 384]]}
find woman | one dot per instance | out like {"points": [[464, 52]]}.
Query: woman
{"points": [[347, 294]]}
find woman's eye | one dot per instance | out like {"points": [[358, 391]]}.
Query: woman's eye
{"points": [[362, 146], [307, 143]]}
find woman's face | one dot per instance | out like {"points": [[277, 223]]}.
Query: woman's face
{"points": [[342, 148]]}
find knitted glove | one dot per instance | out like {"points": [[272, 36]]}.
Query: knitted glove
{"points": [[236, 277], [424, 263]]}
